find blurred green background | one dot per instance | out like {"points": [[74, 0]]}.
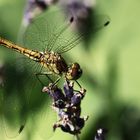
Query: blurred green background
{"points": [[111, 72]]}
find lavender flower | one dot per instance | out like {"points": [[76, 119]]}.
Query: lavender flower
{"points": [[67, 104]]}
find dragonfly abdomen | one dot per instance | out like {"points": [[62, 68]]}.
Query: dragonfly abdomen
{"points": [[34, 55]]}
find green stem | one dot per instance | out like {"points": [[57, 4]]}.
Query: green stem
{"points": [[77, 137]]}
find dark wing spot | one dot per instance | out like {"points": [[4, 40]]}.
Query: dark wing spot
{"points": [[107, 23], [71, 19], [21, 128]]}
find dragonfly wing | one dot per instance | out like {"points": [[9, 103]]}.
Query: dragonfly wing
{"points": [[71, 39], [49, 31], [53, 30], [14, 102], [41, 115], [23, 106]]}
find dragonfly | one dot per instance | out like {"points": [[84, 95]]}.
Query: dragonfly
{"points": [[43, 32], [54, 62], [53, 33]]}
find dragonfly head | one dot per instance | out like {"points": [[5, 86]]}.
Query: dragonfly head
{"points": [[74, 72]]}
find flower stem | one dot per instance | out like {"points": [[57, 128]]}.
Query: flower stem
{"points": [[77, 137]]}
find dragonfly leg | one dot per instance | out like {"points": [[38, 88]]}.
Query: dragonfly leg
{"points": [[46, 74], [56, 81], [78, 84]]}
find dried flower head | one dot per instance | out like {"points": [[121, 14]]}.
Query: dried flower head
{"points": [[67, 104]]}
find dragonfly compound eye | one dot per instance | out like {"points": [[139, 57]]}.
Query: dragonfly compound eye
{"points": [[74, 72]]}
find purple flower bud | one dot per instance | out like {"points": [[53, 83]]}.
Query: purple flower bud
{"points": [[66, 128], [76, 99], [41, 3], [74, 110], [68, 89], [55, 92], [79, 123], [59, 104]]}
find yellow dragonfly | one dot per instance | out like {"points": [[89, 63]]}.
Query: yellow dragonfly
{"points": [[54, 35]]}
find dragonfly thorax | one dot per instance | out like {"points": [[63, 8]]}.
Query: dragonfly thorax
{"points": [[55, 63]]}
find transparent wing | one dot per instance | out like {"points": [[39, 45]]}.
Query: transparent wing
{"points": [[70, 39], [55, 31], [51, 31], [23, 106], [42, 115], [14, 102]]}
